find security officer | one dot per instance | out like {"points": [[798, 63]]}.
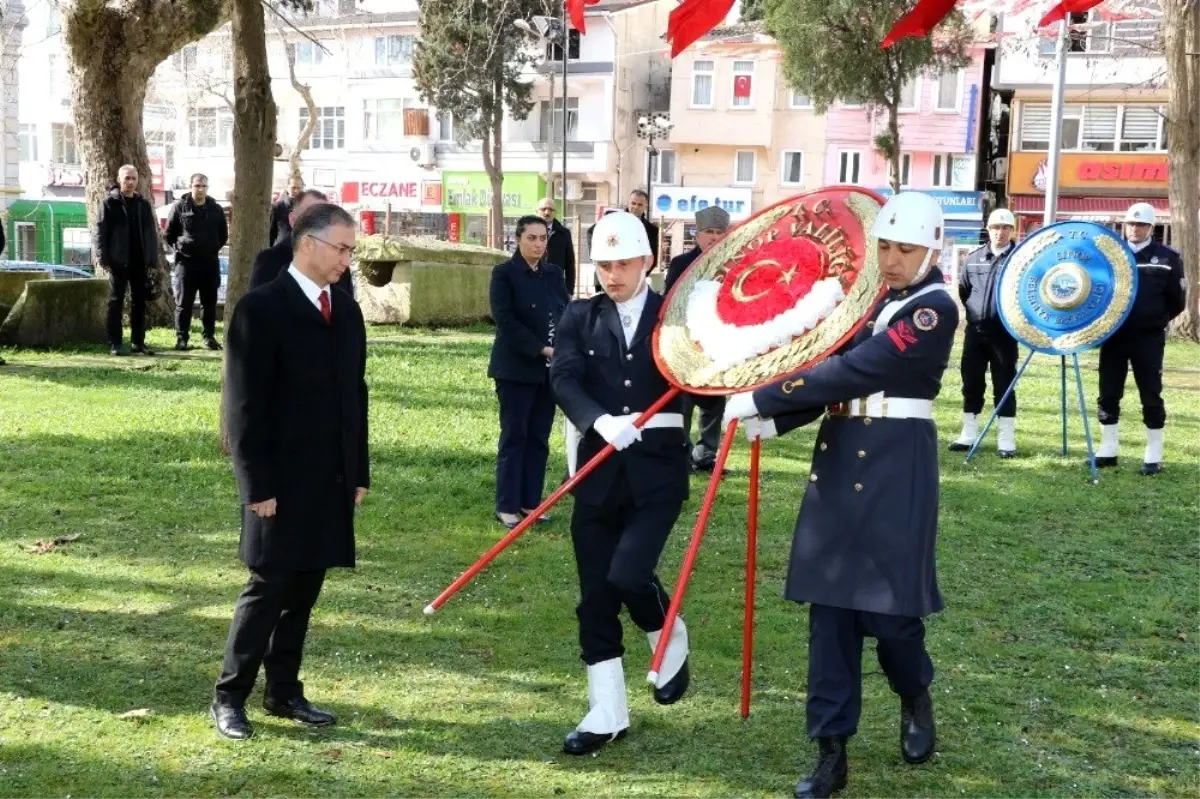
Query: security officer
{"points": [[197, 231], [603, 375], [711, 224], [1140, 340], [987, 343], [863, 550]]}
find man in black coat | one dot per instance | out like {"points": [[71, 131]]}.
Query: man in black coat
{"points": [[863, 551], [196, 231], [1141, 340], [639, 206], [274, 260], [711, 224], [987, 344], [604, 375], [297, 418], [281, 211], [560, 249], [127, 247]]}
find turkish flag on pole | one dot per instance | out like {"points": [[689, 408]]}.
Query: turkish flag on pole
{"points": [[924, 17], [1060, 10], [575, 12], [691, 19], [741, 86]]}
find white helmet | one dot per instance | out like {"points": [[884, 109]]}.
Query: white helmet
{"points": [[911, 218], [1002, 216], [1140, 213], [619, 236]]}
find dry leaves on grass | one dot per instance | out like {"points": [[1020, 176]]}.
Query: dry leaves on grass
{"points": [[139, 713], [41, 547]]}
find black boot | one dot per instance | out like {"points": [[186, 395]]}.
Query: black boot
{"points": [[829, 774], [917, 733]]}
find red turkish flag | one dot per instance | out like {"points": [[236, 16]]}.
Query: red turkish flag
{"points": [[575, 12], [924, 17], [741, 86], [1061, 9], [691, 19]]}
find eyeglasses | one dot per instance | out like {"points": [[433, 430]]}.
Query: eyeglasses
{"points": [[342, 249]]}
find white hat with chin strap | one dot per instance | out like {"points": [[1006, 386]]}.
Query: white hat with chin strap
{"points": [[1140, 214], [619, 236], [912, 218], [1002, 216]]}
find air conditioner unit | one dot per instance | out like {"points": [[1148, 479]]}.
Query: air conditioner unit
{"points": [[574, 191], [424, 155]]}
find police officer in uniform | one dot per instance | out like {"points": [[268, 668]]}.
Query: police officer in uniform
{"points": [[711, 224], [603, 375], [863, 549], [988, 344], [1140, 340]]}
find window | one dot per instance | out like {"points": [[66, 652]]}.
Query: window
{"points": [[905, 168], [185, 59], [308, 54], [53, 23], [849, 163], [330, 132], [554, 51], [550, 125], [743, 84], [161, 144], [949, 91], [445, 123], [1099, 129], [1089, 34], [383, 120], [910, 95], [393, 51], [662, 168], [793, 168], [743, 166], [1140, 129], [799, 100], [77, 246], [62, 145], [953, 171], [27, 143], [702, 84], [26, 241], [210, 127]]}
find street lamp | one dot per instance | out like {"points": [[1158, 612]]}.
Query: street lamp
{"points": [[651, 127], [549, 31]]}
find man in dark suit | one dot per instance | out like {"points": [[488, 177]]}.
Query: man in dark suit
{"points": [[127, 247], [639, 206], [281, 212], [196, 231], [274, 261], [560, 249], [297, 419], [711, 224], [604, 375]]}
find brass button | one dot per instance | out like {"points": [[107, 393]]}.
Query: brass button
{"points": [[867, 421], [824, 446], [904, 293], [591, 352], [629, 357], [862, 453], [628, 383], [625, 409], [858, 486], [789, 385], [812, 478]]}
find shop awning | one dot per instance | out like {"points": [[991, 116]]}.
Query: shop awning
{"points": [[1091, 209]]}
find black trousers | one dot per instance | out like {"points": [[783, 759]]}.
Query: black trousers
{"points": [[204, 280], [526, 416], [132, 279], [988, 347], [835, 642], [269, 626], [708, 431], [617, 547], [1143, 350]]}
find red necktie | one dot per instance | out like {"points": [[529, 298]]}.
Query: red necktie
{"points": [[326, 311]]}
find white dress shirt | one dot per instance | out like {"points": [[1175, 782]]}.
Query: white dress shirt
{"points": [[630, 313], [310, 289]]}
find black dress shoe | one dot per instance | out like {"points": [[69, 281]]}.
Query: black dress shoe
{"points": [[141, 349], [1007, 453], [584, 743], [675, 688], [829, 774], [231, 721], [116, 350], [545, 517], [917, 731], [1106, 463], [301, 710], [181, 345], [958, 447], [210, 343], [1149, 469]]}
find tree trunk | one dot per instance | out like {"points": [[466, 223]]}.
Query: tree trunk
{"points": [[1181, 30], [492, 163], [253, 156], [305, 92], [894, 136], [112, 50]]}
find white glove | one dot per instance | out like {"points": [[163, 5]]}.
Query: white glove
{"points": [[760, 428], [739, 406], [617, 430]]}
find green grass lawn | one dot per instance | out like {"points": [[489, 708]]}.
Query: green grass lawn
{"points": [[1066, 659]]}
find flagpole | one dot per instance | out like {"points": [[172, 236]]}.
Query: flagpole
{"points": [[1050, 213]]}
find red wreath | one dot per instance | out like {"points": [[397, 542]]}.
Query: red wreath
{"points": [[771, 281]]}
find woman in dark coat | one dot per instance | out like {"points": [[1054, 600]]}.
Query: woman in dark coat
{"points": [[527, 298]]}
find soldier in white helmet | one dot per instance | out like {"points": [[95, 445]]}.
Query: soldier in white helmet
{"points": [[988, 344], [603, 375], [863, 548], [1140, 340]]}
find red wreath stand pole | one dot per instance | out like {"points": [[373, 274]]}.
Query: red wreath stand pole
{"points": [[751, 564], [546, 505], [689, 560]]}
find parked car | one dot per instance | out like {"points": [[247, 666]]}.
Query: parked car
{"points": [[57, 271]]}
